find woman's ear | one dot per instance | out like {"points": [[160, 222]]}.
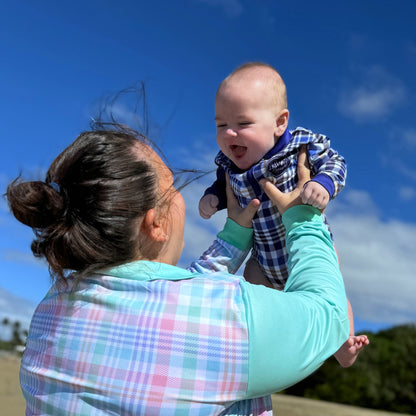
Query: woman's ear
{"points": [[282, 121], [153, 227]]}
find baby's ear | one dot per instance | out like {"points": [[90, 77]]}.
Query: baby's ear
{"points": [[282, 121]]}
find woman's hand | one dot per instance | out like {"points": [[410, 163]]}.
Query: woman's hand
{"points": [[242, 216], [284, 201]]}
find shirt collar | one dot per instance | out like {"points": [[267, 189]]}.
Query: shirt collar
{"points": [[284, 139], [225, 162], [148, 270]]}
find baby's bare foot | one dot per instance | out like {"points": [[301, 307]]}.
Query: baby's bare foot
{"points": [[349, 351]]}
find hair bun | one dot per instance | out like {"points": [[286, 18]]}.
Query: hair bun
{"points": [[35, 204]]}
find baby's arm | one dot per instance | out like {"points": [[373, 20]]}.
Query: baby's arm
{"points": [[329, 172], [208, 206], [313, 193], [214, 198]]}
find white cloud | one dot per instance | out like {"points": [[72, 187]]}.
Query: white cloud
{"points": [[407, 193], [397, 157], [373, 94], [4, 208], [199, 233], [403, 139], [127, 107], [4, 182], [409, 137], [397, 163], [232, 8], [15, 309], [205, 147], [21, 257], [377, 261], [121, 113]]}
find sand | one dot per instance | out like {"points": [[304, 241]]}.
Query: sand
{"points": [[11, 399]]}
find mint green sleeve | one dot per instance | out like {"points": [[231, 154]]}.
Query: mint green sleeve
{"points": [[236, 235], [292, 333], [227, 252]]}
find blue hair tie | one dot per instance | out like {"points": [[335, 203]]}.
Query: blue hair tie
{"points": [[55, 186]]}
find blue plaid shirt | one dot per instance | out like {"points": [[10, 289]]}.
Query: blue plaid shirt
{"points": [[279, 166]]}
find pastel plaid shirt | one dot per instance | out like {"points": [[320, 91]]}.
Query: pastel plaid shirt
{"points": [[149, 339], [279, 166]]}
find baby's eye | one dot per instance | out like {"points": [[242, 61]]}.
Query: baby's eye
{"points": [[245, 123], [219, 126]]}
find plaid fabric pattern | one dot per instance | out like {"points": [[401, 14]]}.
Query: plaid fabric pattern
{"points": [[220, 257], [144, 339], [280, 168]]}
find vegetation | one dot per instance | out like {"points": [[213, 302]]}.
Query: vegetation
{"points": [[17, 335], [383, 377]]}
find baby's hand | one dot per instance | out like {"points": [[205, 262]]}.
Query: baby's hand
{"points": [[313, 193], [208, 206]]}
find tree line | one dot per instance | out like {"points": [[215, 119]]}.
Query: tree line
{"points": [[383, 376], [17, 335]]}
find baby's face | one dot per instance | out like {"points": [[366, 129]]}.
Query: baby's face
{"points": [[246, 121]]}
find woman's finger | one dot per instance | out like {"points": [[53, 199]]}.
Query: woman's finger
{"points": [[232, 202], [283, 201], [303, 170], [271, 190], [243, 217], [248, 213]]}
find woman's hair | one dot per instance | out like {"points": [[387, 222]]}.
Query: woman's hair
{"points": [[85, 214]]}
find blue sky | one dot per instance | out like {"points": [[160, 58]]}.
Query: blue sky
{"points": [[349, 69]]}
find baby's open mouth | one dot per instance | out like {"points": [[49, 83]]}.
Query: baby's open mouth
{"points": [[238, 151]]}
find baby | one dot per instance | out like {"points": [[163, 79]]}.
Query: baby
{"points": [[252, 118]]}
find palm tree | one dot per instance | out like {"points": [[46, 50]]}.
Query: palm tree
{"points": [[5, 323], [16, 339]]}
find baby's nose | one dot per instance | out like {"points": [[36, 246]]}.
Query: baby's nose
{"points": [[231, 132]]}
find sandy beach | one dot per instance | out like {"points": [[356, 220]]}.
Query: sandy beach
{"points": [[11, 398]]}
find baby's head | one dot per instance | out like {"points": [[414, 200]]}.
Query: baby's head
{"points": [[250, 112]]}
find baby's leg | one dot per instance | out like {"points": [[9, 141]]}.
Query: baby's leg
{"points": [[253, 274], [349, 351]]}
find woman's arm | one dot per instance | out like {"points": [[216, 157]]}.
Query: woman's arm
{"points": [[293, 332], [234, 242], [227, 252]]}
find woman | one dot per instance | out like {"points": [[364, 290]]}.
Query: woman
{"points": [[124, 331]]}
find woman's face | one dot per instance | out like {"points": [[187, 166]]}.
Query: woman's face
{"points": [[172, 215]]}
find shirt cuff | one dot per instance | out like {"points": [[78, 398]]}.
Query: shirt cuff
{"points": [[236, 235]]}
